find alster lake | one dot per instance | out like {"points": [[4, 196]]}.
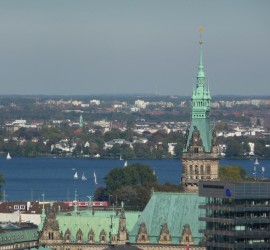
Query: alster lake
{"points": [[27, 178]]}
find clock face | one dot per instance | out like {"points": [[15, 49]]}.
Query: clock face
{"points": [[196, 139]]}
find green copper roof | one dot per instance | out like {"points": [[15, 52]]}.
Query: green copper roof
{"points": [[100, 220], [201, 109], [175, 209], [20, 235], [205, 129]]}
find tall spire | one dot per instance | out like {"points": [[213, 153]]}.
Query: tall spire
{"points": [[201, 68], [43, 215]]}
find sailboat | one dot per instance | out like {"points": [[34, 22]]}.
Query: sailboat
{"points": [[8, 156], [95, 178], [120, 158], [256, 163], [83, 177], [75, 176], [125, 164]]}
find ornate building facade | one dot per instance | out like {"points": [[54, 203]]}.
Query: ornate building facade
{"points": [[200, 154], [169, 221]]}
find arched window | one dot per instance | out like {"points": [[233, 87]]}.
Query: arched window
{"points": [[196, 169], [202, 170], [208, 169], [50, 235], [191, 169]]}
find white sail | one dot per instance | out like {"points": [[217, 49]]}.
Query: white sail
{"points": [[8, 156], [83, 177], [256, 162], [125, 164], [76, 176], [95, 178], [120, 158]]}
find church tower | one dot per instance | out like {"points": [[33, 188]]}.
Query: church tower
{"points": [[200, 153]]}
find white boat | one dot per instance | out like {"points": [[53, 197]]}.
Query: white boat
{"points": [[75, 176], [125, 164], [8, 156], [83, 177], [95, 178]]}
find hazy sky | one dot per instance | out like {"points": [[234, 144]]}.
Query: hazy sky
{"points": [[123, 46]]}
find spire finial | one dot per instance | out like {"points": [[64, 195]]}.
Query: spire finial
{"points": [[43, 201], [200, 31]]}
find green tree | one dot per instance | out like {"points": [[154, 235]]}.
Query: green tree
{"points": [[235, 173], [142, 150], [259, 148], [234, 148], [131, 184]]}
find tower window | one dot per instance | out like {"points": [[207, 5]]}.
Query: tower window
{"points": [[208, 169], [191, 169], [50, 235], [202, 171], [196, 169], [196, 150]]}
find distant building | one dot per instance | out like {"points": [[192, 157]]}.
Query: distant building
{"points": [[111, 143], [95, 102], [171, 148], [18, 236], [141, 104]]}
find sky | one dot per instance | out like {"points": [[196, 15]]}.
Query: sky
{"points": [[86, 47]]}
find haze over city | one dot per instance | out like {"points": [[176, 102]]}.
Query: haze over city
{"points": [[124, 47]]}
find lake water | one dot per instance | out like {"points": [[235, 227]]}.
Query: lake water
{"points": [[28, 178]]}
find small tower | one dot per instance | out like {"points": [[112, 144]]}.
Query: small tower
{"points": [[113, 230], [43, 215], [122, 230], [75, 211], [200, 154], [81, 121]]}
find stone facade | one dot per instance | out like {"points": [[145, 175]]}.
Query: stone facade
{"points": [[198, 164]]}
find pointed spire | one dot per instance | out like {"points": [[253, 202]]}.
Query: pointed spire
{"points": [[75, 203], [201, 68], [43, 215]]}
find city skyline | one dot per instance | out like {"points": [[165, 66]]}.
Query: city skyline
{"points": [[125, 47]]}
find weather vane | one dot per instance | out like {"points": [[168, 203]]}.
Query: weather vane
{"points": [[200, 31]]}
